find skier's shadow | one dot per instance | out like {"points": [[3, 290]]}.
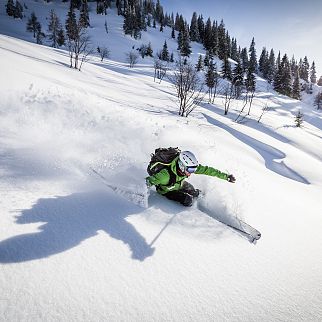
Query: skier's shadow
{"points": [[68, 221]]}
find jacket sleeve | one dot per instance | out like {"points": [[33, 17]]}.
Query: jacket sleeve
{"points": [[161, 178], [209, 171]]}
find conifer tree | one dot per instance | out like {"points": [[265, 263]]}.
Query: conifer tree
{"points": [[313, 73], [244, 59], [296, 90], [194, 31], [252, 57], [201, 28], [215, 44], [234, 50], [226, 69], [18, 10], [211, 78], [10, 8], [33, 24], [199, 65], [263, 63], [71, 24], [54, 27], [173, 34], [283, 78], [299, 119], [84, 14], [238, 77], [222, 45], [165, 53], [208, 35], [271, 67], [61, 37], [304, 69]]}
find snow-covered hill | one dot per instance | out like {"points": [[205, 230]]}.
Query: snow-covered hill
{"points": [[71, 249]]}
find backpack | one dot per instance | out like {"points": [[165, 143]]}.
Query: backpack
{"points": [[161, 159]]}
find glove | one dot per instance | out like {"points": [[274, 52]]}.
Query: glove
{"points": [[231, 178]]}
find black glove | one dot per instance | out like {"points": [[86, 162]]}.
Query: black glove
{"points": [[231, 178]]}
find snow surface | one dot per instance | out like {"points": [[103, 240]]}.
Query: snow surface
{"points": [[72, 249]]}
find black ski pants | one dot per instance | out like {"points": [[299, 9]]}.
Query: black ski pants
{"points": [[185, 195]]}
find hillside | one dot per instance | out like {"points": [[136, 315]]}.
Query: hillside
{"points": [[72, 249]]}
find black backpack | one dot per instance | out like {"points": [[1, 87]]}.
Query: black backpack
{"points": [[162, 158]]}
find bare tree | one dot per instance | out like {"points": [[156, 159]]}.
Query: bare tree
{"points": [[187, 85], [103, 52], [228, 95], [78, 43], [160, 69], [132, 58]]}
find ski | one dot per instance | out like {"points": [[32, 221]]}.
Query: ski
{"points": [[238, 225]]}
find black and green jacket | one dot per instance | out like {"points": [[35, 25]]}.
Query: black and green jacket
{"points": [[166, 181]]}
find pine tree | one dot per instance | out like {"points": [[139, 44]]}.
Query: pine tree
{"points": [[234, 50], [18, 10], [194, 31], [215, 44], [71, 24], [271, 67], [238, 77], [61, 37], [208, 36], [253, 66], [222, 45], [296, 90], [263, 63], [165, 52], [10, 8], [304, 69], [201, 28], [244, 59], [149, 50], [184, 41], [299, 119], [210, 78], [84, 14], [313, 73], [199, 65], [33, 24], [283, 78], [226, 69], [54, 27]]}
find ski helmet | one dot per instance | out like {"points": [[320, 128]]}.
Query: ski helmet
{"points": [[187, 162]]}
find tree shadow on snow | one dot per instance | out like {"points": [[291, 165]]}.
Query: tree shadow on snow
{"points": [[271, 155], [68, 221]]}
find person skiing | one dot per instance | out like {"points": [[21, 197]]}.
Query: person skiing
{"points": [[170, 180]]}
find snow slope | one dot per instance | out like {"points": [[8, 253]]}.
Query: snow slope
{"points": [[71, 249]]}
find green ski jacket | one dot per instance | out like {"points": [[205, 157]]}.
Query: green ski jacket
{"points": [[162, 179]]}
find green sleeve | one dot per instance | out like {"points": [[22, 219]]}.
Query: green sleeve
{"points": [[209, 171], [161, 178]]}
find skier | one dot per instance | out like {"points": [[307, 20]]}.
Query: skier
{"points": [[170, 180]]}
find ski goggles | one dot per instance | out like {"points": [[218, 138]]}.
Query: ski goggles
{"points": [[188, 169], [191, 169]]}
